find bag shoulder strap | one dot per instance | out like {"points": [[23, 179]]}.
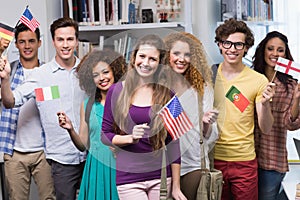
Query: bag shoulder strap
{"points": [[214, 69], [88, 109], [163, 179]]}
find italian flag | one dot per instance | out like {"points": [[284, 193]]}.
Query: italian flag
{"points": [[237, 98], [47, 93]]}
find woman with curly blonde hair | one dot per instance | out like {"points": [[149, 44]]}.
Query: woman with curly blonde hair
{"points": [[186, 56]]}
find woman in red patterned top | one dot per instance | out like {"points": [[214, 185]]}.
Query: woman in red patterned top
{"points": [[271, 147]]}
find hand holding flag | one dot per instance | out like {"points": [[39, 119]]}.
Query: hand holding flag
{"points": [[29, 20], [175, 119]]}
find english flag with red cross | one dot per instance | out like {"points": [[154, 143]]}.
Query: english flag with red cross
{"points": [[288, 67]]}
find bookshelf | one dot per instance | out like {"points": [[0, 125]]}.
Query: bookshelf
{"points": [[259, 15], [110, 33], [131, 26], [247, 10]]}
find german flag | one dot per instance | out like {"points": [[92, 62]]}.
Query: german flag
{"points": [[6, 32]]}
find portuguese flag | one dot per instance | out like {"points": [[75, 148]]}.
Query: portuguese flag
{"points": [[237, 98]]}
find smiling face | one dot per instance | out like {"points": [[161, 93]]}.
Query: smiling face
{"points": [[180, 56], [28, 44], [65, 43], [275, 48], [146, 60], [103, 76], [233, 55]]}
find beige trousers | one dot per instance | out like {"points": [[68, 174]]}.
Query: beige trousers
{"points": [[20, 168]]}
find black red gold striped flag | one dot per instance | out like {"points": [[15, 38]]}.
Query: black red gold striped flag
{"points": [[6, 32]]}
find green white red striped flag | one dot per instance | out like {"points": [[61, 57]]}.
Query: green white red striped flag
{"points": [[47, 93]]}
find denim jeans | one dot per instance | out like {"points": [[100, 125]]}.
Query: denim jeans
{"points": [[269, 183]]}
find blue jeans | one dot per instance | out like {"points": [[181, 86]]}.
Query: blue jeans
{"points": [[269, 183]]}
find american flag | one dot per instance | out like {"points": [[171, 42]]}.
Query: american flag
{"points": [[29, 20], [175, 119]]}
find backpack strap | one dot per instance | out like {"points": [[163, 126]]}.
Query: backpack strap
{"points": [[88, 109], [214, 69]]}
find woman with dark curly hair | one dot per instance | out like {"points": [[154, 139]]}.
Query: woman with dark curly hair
{"points": [[270, 146], [97, 71], [186, 56]]}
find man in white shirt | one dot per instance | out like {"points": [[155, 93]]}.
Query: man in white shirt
{"points": [[21, 132], [66, 160]]}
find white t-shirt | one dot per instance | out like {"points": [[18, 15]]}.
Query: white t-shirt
{"points": [[29, 136], [190, 141]]}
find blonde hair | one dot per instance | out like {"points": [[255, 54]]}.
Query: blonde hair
{"points": [[161, 92], [199, 73]]}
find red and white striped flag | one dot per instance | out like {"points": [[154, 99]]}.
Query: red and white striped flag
{"points": [[47, 93], [29, 20], [288, 67], [175, 119]]}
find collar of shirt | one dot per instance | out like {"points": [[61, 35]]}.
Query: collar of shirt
{"points": [[57, 67]]}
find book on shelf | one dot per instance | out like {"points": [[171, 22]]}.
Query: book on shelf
{"points": [[75, 10], [91, 11], [83, 48], [131, 43], [66, 8], [248, 10], [101, 42], [124, 44], [116, 12], [97, 12]]}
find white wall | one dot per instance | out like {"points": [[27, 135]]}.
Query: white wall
{"points": [[205, 15], [43, 10]]}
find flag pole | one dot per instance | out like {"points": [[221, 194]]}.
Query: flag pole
{"points": [[272, 81], [273, 76], [166, 104], [19, 18]]}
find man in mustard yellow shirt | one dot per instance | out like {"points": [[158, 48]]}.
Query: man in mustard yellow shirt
{"points": [[239, 93]]}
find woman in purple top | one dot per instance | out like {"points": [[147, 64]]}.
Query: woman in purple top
{"points": [[131, 124]]}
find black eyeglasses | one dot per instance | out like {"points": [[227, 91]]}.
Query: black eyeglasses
{"points": [[237, 45]]}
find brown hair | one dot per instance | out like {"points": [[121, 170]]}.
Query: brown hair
{"points": [[63, 22], [233, 26], [161, 92], [89, 61]]}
